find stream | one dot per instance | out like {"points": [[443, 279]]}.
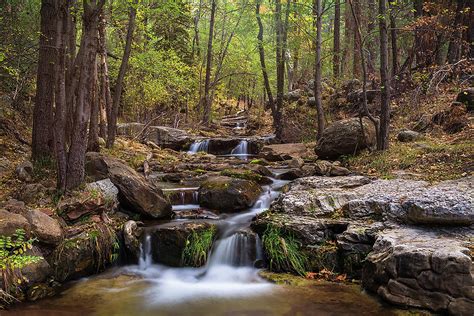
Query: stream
{"points": [[229, 283]]}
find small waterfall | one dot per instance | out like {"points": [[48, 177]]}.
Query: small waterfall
{"points": [[239, 250], [202, 145], [145, 261], [241, 150]]}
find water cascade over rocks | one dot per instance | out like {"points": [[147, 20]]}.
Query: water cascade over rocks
{"points": [[198, 146], [229, 271], [241, 150]]}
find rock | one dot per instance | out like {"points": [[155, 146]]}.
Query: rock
{"points": [[311, 101], [10, 222], [228, 194], [406, 136], [108, 191], [129, 129], [39, 271], [134, 191], [167, 137], [131, 237], [420, 268], [84, 203], [356, 97], [322, 168], [294, 95], [5, 166], [466, 97], [345, 138], [261, 170], [173, 244], [296, 163], [453, 120], [423, 124], [15, 206], [280, 152], [246, 175], [32, 192], [87, 253], [337, 171], [46, 229], [290, 174], [24, 171]]}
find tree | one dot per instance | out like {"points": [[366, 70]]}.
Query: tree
{"points": [[318, 12], [280, 65], [261, 52], [336, 64], [206, 118], [42, 142], [454, 48], [393, 37], [382, 138], [113, 113]]}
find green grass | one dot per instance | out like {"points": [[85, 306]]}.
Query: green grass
{"points": [[197, 247], [283, 252]]}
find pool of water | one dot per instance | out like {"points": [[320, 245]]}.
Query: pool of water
{"points": [[127, 291]]}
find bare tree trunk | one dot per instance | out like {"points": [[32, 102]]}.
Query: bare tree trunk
{"points": [[286, 51], [280, 64], [418, 12], [42, 136], [393, 36], [71, 78], [261, 52], [59, 126], [207, 95], [455, 42], [93, 142], [356, 66], [336, 64], [348, 38], [318, 11], [112, 120], [105, 98], [89, 41], [382, 139], [196, 43], [371, 43]]}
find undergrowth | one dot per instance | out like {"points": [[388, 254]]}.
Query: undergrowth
{"points": [[283, 252], [198, 245]]}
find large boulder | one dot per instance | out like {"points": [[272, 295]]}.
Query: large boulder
{"points": [[10, 222], [134, 191], [466, 97], [406, 136], [129, 129], [45, 228], [228, 194], [180, 243], [167, 137], [280, 152], [345, 138], [24, 171], [421, 268]]}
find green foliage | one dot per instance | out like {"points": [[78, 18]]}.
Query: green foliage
{"points": [[246, 175], [283, 251], [14, 257], [197, 247]]}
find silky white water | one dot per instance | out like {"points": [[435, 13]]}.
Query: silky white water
{"points": [[199, 146], [229, 271]]}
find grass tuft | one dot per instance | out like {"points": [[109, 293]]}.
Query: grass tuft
{"points": [[198, 245]]}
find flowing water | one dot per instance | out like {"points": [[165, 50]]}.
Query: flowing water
{"points": [[241, 151], [228, 284], [202, 145]]}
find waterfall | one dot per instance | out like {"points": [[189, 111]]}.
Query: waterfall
{"points": [[202, 145], [241, 150], [145, 260], [239, 249]]}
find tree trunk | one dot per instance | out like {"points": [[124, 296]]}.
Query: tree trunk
{"points": [[371, 43], [89, 41], [456, 39], [112, 120], [418, 12], [60, 113], [318, 67], [356, 66], [393, 36], [206, 119], [382, 141], [280, 65], [42, 136], [336, 64], [348, 38], [105, 98], [261, 53], [196, 43], [93, 142], [286, 51]]}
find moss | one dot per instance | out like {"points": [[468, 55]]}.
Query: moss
{"points": [[260, 162], [285, 278], [200, 171], [242, 174], [198, 245], [283, 251]]}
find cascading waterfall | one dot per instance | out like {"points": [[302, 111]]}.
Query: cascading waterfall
{"points": [[241, 150], [198, 146], [229, 271]]}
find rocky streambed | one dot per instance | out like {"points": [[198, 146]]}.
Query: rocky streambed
{"points": [[191, 231]]}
